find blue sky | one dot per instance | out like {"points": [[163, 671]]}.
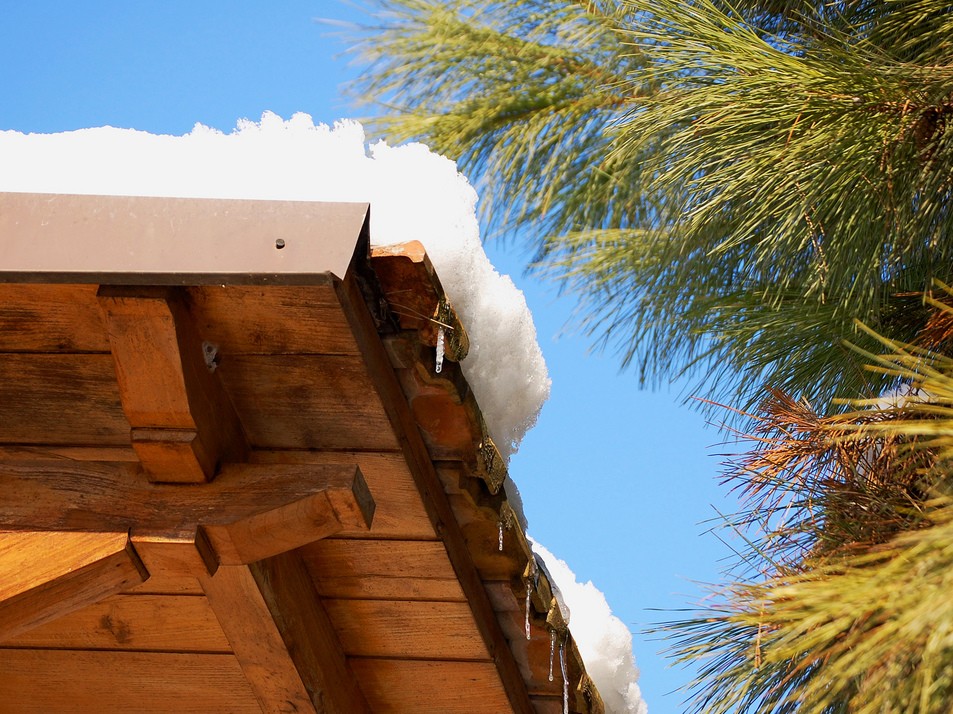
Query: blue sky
{"points": [[617, 481]]}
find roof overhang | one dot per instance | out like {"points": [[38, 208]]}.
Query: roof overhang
{"points": [[232, 479]]}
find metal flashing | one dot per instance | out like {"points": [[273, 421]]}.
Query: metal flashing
{"points": [[136, 240]]}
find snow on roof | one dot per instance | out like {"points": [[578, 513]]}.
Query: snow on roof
{"points": [[604, 641], [414, 195]]}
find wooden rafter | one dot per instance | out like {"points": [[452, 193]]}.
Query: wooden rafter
{"points": [[248, 513], [44, 575], [434, 496], [283, 638]]}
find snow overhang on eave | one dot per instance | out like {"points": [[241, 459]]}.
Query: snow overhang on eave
{"points": [[134, 240]]}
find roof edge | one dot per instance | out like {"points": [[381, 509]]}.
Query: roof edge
{"points": [[141, 240]]}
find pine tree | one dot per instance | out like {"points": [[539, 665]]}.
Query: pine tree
{"points": [[727, 188], [758, 193]]}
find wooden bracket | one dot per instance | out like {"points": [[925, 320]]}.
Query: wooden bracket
{"points": [[44, 575], [248, 513], [183, 423], [283, 637]]}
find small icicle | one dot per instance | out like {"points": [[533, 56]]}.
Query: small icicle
{"points": [[440, 337], [501, 535], [562, 667], [552, 652], [528, 593]]}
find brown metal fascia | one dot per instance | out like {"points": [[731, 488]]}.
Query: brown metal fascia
{"points": [[135, 240]]}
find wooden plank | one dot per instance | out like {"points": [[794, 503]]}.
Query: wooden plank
{"points": [[275, 319], [282, 638], [247, 513], [188, 556], [183, 423], [307, 402], [382, 570], [435, 500], [399, 511], [52, 452], [51, 318], [424, 630], [398, 686], [43, 681], [45, 575], [60, 399], [171, 623], [168, 584]]}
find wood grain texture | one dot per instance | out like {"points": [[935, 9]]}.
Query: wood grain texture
{"points": [[89, 496], [307, 402], [52, 452], [277, 319], [81, 682], [401, 686], [308, 634], [51, 318], [424, 630], [382, 570], [434, 497], [254, 637], [399, 511], [171, 623], [45, 575], [60, 399], [281, 637], [167, 584], [183, 422]]}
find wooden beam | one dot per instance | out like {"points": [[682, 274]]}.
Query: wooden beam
{"points": [[177, 556], [44, 575], [283, 638], [141, 623], [408, 629], [406, 685], [399, 512], [175, 563], [431, 489], [51, 318], [249, 512], [349, 569], [183, 424], [60, 399], [91, 682]]}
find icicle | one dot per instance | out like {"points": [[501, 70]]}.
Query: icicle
{"points": [[440, 346], [501, 535], [562, 667], [552, 652], [528, 593]]}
